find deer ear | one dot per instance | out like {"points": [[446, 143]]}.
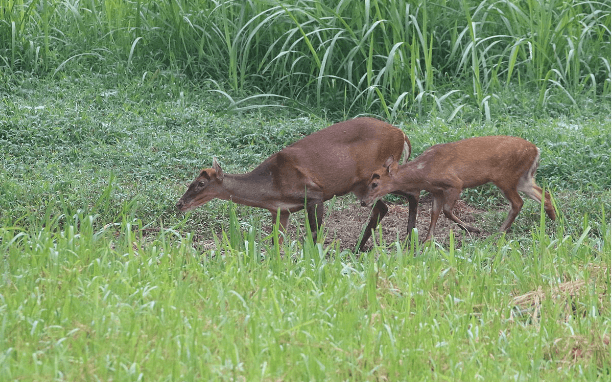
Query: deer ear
{"points": [[391, 165], [217, 169], [388, 162], [204, 174], [393, 169]]}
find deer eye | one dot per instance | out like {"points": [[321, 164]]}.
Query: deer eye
{"points": [[201, 184], [374, 185]]}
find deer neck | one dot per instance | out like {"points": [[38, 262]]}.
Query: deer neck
{"points": [[412, 175], [251, 189]]}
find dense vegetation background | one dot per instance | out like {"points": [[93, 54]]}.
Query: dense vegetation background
{"points": [[449, 57], [109, 107]]}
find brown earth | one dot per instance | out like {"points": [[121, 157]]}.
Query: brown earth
{"points": [[345, 218], [345, 225]]}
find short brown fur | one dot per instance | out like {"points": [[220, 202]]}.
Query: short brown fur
{"points": [[446, 169], [331, 162]]}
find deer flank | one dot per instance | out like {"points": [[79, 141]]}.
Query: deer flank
{"points": [[445, 170]]}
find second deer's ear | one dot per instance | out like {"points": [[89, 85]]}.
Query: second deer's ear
{"points": [[391, 166], [388, 162], [393, 169], [217, 169]]}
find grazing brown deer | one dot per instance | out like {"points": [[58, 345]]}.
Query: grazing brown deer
{"points": [[331, 162], [446, 169]]}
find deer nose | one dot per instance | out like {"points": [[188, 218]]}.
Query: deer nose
{"points": [[179, 204]]}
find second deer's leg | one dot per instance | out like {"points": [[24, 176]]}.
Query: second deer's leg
{"points": [[413, 203], [548, 207], [436, 208], [378, 212], [535, 192], [450, 197], [516, 203]]}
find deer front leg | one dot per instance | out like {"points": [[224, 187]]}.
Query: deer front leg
{"points": [[436, 208], [316, 211], [413, 203], [378, 212], [283, 220]]}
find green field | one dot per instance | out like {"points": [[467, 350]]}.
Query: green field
{"points": [[109, 109]]}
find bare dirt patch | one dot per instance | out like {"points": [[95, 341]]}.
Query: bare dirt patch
{"points": [[346, 224], [345, 219]]}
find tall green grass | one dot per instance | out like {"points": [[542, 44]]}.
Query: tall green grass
{"points": [[91, 302], [101, 279], [352, 57]]}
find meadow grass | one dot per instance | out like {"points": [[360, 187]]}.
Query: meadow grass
{"points": [[91, 144], [103, 280], [108, 109], [82, 303]]}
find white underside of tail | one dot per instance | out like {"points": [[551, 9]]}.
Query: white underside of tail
{"points": [[406, 152]]}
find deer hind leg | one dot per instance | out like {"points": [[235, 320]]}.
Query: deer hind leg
{"points": [[450, 197], [436, 208], [516, 203], [378, 213], [528, 185]]}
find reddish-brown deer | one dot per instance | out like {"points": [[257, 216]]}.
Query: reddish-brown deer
{"points": [[446, 169], [331, 162]]}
